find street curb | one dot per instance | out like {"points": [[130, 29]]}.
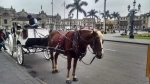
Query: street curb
{"points": [[12, 58], [126, 42]]}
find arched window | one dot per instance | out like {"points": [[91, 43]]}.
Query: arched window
{"points": [[5, 21]]}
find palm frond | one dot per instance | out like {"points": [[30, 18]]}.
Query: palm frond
{"points": [[82, 11], [83, 3], [102, 15], [69, 6], [95, 16], [73, 9], [88, 15], [96, 1]]}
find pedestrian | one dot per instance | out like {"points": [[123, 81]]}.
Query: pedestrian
{"points": [[2, 40]]}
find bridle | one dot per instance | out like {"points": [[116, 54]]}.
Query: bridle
{"points": [[84, 39], [93, 43], [93, 47]]}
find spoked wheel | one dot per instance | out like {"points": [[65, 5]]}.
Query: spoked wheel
{"points": [[20, 55], [9, 43], [46, 54]]}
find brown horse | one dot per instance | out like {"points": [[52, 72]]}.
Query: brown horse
{"points": [[74, 48]]}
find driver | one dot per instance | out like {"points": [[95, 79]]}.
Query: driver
{"points": [[32, 22]]}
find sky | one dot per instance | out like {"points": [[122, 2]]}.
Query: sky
{"points": [[34, 6]]}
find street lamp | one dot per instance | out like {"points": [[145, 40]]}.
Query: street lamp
{"points": [[52, 24], [70, 16], [56, 25], [105, 17], [132, 13]]}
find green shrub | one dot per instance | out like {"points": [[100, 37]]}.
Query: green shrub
{"points": [[139, 35]]}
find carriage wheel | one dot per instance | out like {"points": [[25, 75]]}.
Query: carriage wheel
{"points": [[10, 45], [20, 55], [47, 54]]}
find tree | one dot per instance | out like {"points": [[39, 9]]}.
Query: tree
{"points": [[106, 14], [96, 1], [77, 5], [116, 16], [93, 14]]}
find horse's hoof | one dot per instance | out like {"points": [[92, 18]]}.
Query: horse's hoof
{"points": [[75, 79], [68, 82], [53, 72], [56, 71]]}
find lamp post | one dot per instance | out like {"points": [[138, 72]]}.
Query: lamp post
{"points": [[70, 16], [132, 13], [64, 5], [105, 17], [56, 25], [52, 23]]}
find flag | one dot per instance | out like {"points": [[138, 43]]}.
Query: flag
{"points": [[41, 7]]}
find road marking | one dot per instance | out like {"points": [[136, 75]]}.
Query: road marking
{"points": [[110, 50]]}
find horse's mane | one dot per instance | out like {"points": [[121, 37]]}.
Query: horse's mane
{"points": [[100, 35]]}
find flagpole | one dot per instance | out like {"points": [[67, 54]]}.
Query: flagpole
{"points": [[52, 10], [41, 7], [64, 13], [51, 27]]}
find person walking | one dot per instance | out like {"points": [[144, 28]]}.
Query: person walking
{"points": [[2, 40]]}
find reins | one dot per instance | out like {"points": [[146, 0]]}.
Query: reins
{"points": [[90, 62]]}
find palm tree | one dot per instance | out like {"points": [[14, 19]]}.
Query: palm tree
{"points": [[116, 16], [93, 14], [96, 1], [77, 5], [107, 15]]}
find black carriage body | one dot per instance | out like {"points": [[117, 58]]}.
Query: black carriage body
{"points": [[36, 42]]}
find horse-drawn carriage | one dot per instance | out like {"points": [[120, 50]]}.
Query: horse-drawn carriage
{"points": [[73, 44], [26, 41]]}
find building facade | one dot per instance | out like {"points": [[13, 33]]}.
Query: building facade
{"points": [[87, 22], [8, 16], [140, 22]]}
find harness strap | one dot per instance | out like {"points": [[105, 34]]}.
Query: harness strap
{"points": [[90, 62]]}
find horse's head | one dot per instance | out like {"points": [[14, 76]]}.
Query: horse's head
{"points": [[97, 44], [95, 39]]}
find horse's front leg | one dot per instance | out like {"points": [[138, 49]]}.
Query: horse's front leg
{"points": [[69, 59], [56, 67], [52, 59], [74, 70]]}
